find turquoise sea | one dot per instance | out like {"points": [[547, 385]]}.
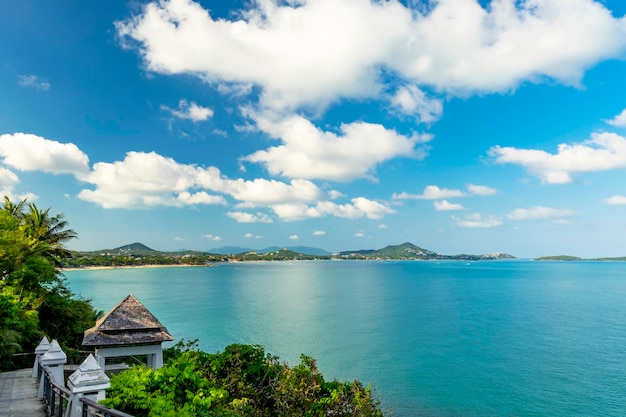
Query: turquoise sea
{"points": [[490, 338]]}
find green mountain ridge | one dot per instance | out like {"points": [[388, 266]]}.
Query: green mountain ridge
{"points": [[405, 250]]}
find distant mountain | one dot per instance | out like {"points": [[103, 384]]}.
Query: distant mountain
{"points": [[134, 248], [405, 250], [235, 250], [305, 250], [408, 250], [229, 250]]}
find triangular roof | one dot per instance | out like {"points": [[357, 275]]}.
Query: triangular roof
{"points": [[128, 323]]}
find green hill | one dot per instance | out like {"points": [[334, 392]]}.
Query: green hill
{"points": [[406, 250]]}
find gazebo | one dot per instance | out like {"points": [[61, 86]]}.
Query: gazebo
{"points": [[128, 329]]}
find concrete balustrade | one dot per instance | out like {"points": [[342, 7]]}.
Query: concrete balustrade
{"points": [[53, 360], [88, 381]]}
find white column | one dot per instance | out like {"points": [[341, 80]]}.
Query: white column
{"points": [[41, 348], [89, 381], [53, 360]]}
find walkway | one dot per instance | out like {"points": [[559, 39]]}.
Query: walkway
{"points": [[18, 395]]}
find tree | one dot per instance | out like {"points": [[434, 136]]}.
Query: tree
{"points": [[241, 381], [34, 300], [49, 232]]}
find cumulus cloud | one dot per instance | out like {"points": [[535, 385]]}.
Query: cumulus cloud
{"points": [[189, 111], [293, 237], [319, 233], [28, 152], [200, 197], [251, 236], [33, 81], [261, 191], [604, 151], [411, 100], [309, 152], [359, 234], [358, 208], [539, 212], [615, 200], [212, 237], [476, 220], [454, 46], [146, 179], [481, 190], [150, 179], [8, 177], [8, 181], [243, 217], [431, 192], [445, 205], [619, 120]]}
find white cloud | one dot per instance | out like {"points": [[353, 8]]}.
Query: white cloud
{"points": [[27, 152], [382, 226], [358, 208], [619, 120], [334, 194], [34, 81], [8, 181], [149, 179], [319, 233], [539, 212], [563, 221], [146, 179], [604, 151], [431, 192], [189, 111], [455, 46], [293, 237], [445, 205], [200, 197], [359, 234], [264, 192], [243, 217], [178, 239], [251, 236], [481, 190], [8, 177], [212, 237], [411, 100], [309, 152], [615, 200], [475, 220]]}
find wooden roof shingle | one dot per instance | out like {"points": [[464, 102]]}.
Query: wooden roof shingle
{"points": [[128, 323]]}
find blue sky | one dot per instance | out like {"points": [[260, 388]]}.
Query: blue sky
{"points": [[460, 126]]}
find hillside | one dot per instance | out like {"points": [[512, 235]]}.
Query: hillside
{"points": [[140, 254], [408, 250], [235, 250]]}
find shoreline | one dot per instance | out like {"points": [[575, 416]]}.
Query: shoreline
{"points": [[96, 268]]}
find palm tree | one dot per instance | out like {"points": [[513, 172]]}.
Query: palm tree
{"points": [[15, 210], [48, 233]]}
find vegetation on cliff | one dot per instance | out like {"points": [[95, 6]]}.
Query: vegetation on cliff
{"points": [[34, 300], [243, 380]]}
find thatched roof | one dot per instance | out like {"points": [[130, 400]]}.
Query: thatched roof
{"points": [[128, 323]]}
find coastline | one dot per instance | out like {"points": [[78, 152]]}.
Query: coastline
{"points": [[95, 268]]}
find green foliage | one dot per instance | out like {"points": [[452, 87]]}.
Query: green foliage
{"points": [[241, 381], [34, 300]]}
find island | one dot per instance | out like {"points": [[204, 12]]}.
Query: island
{"points": [[138, 254]]}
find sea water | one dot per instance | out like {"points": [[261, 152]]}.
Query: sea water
{"points": [[441, 339]]}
